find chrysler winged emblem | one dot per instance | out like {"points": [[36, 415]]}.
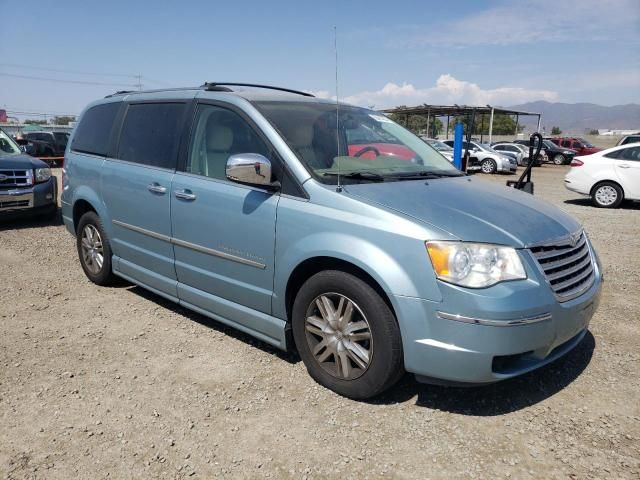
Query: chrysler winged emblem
{"points": [[573, 240]]}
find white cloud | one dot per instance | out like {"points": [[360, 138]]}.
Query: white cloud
{"points": [[532, 21], [447, 91]]}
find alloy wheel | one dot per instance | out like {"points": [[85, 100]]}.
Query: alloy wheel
{"points": [[339, 336], [606, 195], [92, 249], [487, 166]]}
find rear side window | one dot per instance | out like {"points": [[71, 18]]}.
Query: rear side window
{"points": [[632, 154], [614, 154], [151, 133], [631, 139], [94, 131]]}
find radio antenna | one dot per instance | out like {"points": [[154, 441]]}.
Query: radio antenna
{"points": [[335, 47]]}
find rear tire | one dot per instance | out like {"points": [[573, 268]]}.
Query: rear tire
{"points": [[488, 166], [346, 335], [558, 159], [94, 250], [607, 195]]}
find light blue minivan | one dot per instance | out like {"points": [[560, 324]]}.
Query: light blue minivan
{"points": [[328, 229]]}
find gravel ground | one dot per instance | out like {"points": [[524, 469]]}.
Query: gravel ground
{"points": [[119, 383]]}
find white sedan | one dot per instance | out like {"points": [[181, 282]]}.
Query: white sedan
{"points": [[608, 177]]}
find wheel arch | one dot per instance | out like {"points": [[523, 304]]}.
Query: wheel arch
{"points": [[79, 209], [85, 200], [309, 267], [606, 180]]}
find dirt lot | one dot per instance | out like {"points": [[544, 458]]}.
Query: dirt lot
{"points": [[119, 383]]}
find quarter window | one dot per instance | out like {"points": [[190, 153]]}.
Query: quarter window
{"points": [[218, 134], [151, 134], [94, 131]]}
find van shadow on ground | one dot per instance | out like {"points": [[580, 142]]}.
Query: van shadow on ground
{"points": [[490, 400]]}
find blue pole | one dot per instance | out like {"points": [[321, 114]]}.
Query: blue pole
{"points": [[457, 146]]}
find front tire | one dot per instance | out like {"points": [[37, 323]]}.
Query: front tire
{"points": [[558, 159], [488, 166], [607, 195], [346, 335], [94, 249]]}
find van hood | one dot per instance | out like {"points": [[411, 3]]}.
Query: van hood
{"points": [[471, 210]]}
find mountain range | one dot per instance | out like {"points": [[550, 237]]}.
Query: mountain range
{"points": [[578, 117]]}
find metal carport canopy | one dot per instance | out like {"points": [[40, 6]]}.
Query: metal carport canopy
{"points": [[460, 110]]}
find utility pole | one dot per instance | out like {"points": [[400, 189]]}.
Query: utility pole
{"points": [[491, 125], [139, 77]]}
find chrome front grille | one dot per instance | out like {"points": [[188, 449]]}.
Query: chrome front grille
{"points": [[567, 265], [15, 179]]}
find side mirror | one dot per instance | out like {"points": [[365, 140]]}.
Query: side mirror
{"points": [[251, 169]]}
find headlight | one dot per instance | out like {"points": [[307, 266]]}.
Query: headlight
{"points": [[43, 174], [567, 152], [474, 265]]}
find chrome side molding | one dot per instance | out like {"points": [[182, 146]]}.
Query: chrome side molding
{"points": [[192, 246]]}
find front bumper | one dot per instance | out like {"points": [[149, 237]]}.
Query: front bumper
{"points": [[439, 349], [32, 200], [507, 166]]}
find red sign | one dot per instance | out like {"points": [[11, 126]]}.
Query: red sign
{"points": [[3, 116]]}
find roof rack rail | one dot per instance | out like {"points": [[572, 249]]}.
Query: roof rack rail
{"points": [[221, 87], [120, 92]]}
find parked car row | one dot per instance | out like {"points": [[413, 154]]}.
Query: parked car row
{"points": [[485, 159], [490, 158]]}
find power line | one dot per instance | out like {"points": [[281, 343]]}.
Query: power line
{"points": [[99, 74], [76, 72], [59, 80], [41, 114]]}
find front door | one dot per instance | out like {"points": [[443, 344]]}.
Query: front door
{"points": [[223, 232], [136, 188], [627, 165]]}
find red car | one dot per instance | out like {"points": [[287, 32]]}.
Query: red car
{"points": [[580, 145], [373, 150], [369, 143]]}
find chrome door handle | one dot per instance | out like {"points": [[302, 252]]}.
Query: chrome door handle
{"points": [[624, 165], [156, 188], [185, 195]]}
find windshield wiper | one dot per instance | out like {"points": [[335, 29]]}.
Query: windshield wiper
{"points": [[373, 177], [427, 174]]}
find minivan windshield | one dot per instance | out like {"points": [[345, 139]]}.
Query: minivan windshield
{"points": [[358, 143], [7, 145]]}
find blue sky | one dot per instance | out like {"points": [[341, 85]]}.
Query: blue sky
{"points": [[390, 53]]}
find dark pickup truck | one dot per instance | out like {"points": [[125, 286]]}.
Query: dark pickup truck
{"points": [[26, 184], [47, 144]]}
